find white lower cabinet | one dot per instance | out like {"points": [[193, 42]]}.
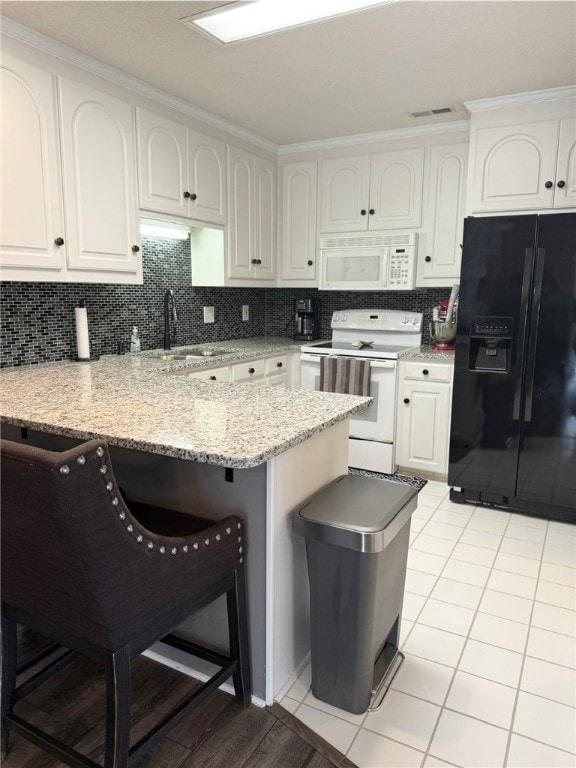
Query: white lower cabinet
{"points": [[271, 371], [423, 419], [211, 374]]}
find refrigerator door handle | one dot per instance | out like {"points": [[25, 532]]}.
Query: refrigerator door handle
{"points": [[531, 364], [528, 256]]}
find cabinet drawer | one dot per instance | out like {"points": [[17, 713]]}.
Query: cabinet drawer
{"points": [[426, 371], [277, 364], [211, 374], [249, 370]]}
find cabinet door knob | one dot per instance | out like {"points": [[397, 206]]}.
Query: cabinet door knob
{"points": [[212, 378], [548, 185], [428, 258], [406, 400], [371, 211], [363, 212], [135, 248], [186, 195], [59, 241], [561, 184], [251, 370], [253, 261], [309, 262], [425, 371], [193, 196], [279, 365], [259, 261]]}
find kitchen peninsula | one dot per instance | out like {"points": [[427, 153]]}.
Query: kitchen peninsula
{"points": [[191, 444]]}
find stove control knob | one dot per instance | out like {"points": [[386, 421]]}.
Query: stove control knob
{"points": [[344, 318], [336, 318]]}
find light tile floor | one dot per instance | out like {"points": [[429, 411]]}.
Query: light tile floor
{"points": [[489, 634]]}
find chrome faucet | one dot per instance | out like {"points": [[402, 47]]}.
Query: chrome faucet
{"points": [[170, 313]]}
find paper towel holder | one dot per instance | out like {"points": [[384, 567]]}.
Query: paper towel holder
{"points": [[82, 336]]}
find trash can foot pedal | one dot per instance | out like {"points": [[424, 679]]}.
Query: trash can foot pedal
{"points": [[381, 689]]}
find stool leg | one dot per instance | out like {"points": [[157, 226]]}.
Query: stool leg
{"points": [[238, 633], [9, 660], [117, 710]]}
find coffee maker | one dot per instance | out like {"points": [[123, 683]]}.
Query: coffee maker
{"points": [[307, 319]]}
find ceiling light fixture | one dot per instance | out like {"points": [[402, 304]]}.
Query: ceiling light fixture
{"points": [[262, 17]]}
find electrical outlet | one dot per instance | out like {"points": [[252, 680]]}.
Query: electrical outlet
{"points": [[208, 314], [245, 312]]}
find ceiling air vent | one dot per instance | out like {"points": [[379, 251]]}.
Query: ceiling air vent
{"points": [[429, 112]]}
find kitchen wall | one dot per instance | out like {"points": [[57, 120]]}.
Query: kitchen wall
{"points": [[37, 319]]}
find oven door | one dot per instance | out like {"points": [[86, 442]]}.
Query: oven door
{"points": [[378, 421]]}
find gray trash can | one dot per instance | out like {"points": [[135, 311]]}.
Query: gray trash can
{"points": [[357, 535]]}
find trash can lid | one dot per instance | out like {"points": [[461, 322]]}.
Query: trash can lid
{"points": [[354, 511]]}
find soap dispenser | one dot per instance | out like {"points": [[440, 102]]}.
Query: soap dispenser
{"points": [[135, 341]]}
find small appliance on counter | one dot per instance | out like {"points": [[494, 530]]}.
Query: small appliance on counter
{"points": [[444, 322], [307, 319]]}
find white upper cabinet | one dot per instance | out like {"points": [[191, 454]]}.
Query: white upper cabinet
{"points": [[162, 155], [251, 216], [440, 257], [344, 192], [298, 238], [31, 207], [182, 171], [528, 166], [99, 167], [565, 192], [265, 217], [377, 192], [396, 189]]}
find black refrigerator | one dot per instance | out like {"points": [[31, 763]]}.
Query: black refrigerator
{"points": [[513, 428]]}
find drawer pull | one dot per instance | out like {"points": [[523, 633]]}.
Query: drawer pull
{"points": [[425, 371], [279, 365], [212, 378], [251, 370]]}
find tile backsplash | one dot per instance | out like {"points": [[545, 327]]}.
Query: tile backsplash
{"points": [[37, 319]]}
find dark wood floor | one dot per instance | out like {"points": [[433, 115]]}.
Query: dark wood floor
{"points": [[218, 734]]}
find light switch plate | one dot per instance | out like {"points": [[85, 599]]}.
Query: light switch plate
{"points": [[245, 312], [208, 314]]}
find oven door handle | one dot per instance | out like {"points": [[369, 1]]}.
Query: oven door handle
{"points": [[382, 364]]}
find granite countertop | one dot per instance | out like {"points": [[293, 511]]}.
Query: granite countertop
{"points": [[131, 401], [427, 353]]}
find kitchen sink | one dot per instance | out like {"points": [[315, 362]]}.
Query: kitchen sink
{"points": [[192, 352]]}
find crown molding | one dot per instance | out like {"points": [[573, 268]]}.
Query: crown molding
{"points": [[373, 138], [519, 99], [46, 44]]}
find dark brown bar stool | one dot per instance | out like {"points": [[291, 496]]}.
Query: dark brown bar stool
{"points": [[107, 580]]}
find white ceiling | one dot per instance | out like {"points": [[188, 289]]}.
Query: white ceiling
{"points": [[360, 73]]}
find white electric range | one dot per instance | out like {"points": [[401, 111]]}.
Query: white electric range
{"points": [[381, 336]]}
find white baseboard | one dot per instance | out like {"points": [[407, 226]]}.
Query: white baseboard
{"points": [[196, 674], [292, 679]]}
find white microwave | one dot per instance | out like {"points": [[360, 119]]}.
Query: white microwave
{"points": [[379, 261]]}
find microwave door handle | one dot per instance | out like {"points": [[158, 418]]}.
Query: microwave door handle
{"points": [[385, 261]]}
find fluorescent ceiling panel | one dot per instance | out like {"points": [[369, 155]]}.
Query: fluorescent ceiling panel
{"points": [[262, 17]]}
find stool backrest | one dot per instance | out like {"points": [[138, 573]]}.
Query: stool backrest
{"points": [[66, 558]]}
